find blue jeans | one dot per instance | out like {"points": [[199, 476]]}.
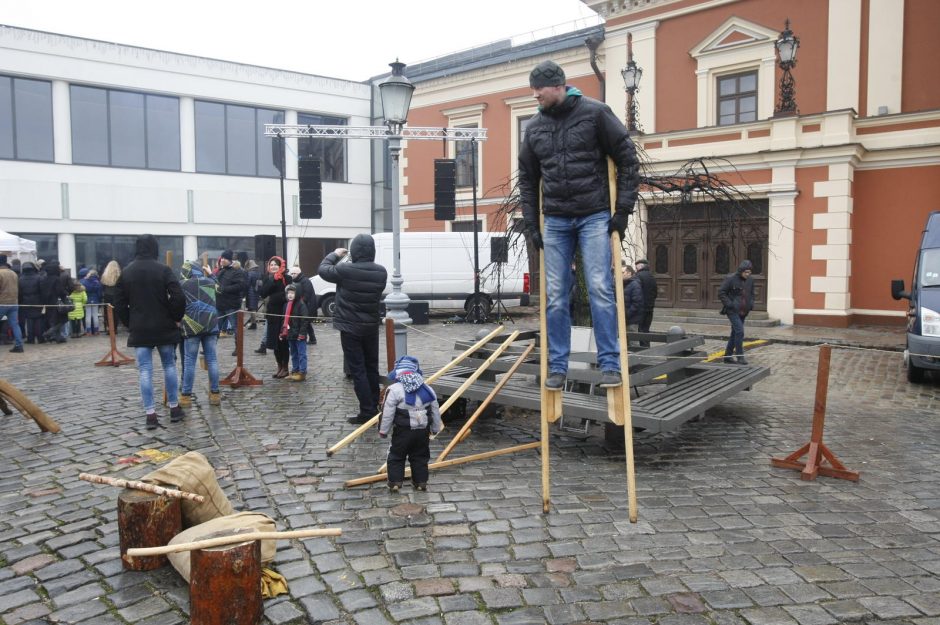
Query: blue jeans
{"points": [[145, 368], [91, 318], [208, 342], [736, 340], [298, 356], [12, 313], [560, 237]]}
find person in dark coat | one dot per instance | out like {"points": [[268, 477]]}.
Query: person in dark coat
{"points": [[563, 173], [359, 286], [53, 290], [737, 299], [232, 286], [309, 296], [10, 304], [633, 303], [273, 288], [650, 291], [150, 302], [252, 299], [31, 303]]}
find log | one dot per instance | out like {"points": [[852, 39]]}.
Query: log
{"points": [[232, 538], [146, 520], [144, 486], [225, 585]]}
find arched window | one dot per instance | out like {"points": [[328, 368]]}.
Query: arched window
{"points": [[662, 259], [690, 259]]}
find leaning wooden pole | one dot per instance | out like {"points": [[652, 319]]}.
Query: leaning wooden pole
{"points": [[137, 485], [378, 477], [547, 397], [371, 422], [390, 355], [459, 436], [232, 540], [27, 408], [618, 399]]}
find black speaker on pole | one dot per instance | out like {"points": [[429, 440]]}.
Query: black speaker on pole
{"points": [[499, 250], [265, 248], [311, 188], [445, 189]]}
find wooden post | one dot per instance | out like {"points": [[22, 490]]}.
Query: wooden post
{"points": [[11, 394], [550, 400], [619, 409], [113, 358], [146, 520], [225, 585], [390, 342], [240, 375], [815, 450]]}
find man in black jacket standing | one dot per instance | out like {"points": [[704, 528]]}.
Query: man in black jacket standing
{"points": [[150, 302], [359, 286], [737, 299], [232, 287], [650, 291], [565, 153]]}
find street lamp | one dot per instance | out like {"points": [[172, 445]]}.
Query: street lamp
{"points": [[631, 82], [787, 44], [395, 92]]}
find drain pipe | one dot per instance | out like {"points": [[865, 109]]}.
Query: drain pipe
{"points": [[593, 43]]}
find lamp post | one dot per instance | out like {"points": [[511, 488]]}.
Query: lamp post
{"points": [[787, 44], [631, 82], [395, 92]]}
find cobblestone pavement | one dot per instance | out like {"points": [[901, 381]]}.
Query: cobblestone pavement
{"points": [[722, 538]]}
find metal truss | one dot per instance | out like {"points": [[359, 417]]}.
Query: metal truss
{"points": [[409, 133]]}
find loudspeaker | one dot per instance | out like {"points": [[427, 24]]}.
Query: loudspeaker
{"points": [[265, 248], [277, 154], [311, 188], [499, 250], [445, 189]]}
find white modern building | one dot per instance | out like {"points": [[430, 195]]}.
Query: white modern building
{"points": [[100, 142]]}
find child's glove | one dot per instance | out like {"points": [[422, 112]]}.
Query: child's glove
{"points": [[383, 435]]}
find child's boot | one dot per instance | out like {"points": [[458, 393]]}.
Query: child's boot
{"points": [[215, 398], [394, 486], [421, 486]]}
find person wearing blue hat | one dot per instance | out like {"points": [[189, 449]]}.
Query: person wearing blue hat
{"points": [[412, 413]]}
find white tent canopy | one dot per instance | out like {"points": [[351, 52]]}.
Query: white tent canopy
{"points": [[17, 247]]}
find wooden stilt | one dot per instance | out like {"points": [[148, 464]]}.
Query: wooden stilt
{"points": [[371, 422], [240, 375], [550, 400], [465, 430], [231, 539], [146, 520], [618, 399], [113, 358], [447, 463], [390, 355], [225, 585], [11, 394], [815, 450]]}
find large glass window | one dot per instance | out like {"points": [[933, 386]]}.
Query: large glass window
{"points": [[25, 119], [97, 250], [332, 152], [124, 129], [230, 139], [464, 153], [47, 245], [737, 98]]}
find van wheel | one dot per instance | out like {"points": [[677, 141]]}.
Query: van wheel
{"points": [[478, 307], [328, 305], [915, 374]]}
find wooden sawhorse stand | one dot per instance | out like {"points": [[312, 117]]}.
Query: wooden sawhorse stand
{"points": [[239, 375], [815, 450], [114, 358]]}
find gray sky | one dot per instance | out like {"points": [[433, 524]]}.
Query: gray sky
{"points": [[352, 39]]}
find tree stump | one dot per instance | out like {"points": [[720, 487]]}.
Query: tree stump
{"points": [[146, 520], [225, 584]]}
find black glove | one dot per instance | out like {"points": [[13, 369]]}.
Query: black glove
{"points": [[535, 236], [618, 223]]}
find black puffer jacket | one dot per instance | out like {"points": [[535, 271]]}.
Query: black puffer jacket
{"points": [[359, 286], [566, 149], [737, 294], [53, 286], [148, 298], [649, 286], [30, 291], [233, 283]]}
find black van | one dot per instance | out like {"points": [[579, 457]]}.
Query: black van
{"points": [[923, 317]]}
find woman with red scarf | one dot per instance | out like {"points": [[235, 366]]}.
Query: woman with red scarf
{"points": [[272, 288]]}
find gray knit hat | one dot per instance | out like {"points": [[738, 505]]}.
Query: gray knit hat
{"points": [[547, 74]]}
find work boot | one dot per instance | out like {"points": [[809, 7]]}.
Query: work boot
{"points": [[281, 373], [728, 359], [298, 377], [394, 487], [177, 414], [610, 379], [152, 421], [17, 350], [421, 486], [215, 398], [555, 381], [742, 360], [262, 350], [358, 419], [186, 401]]}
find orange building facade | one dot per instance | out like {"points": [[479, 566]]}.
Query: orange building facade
{"points": [[844, 186]]}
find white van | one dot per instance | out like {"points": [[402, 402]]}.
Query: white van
{"points": [[437, 268]]}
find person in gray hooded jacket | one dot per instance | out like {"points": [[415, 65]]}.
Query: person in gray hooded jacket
{"points": [[359, 286]]}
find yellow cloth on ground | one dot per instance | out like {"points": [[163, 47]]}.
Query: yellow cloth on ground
{"points": [[272, 584]]}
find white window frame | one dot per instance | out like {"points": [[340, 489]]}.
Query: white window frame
{"points": [[461, 117]]}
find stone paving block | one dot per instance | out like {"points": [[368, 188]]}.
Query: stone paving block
{"points": [[371, 617], [282, 613], [726, 599], [320, 607], [467, 618], [89, 610], [888, 607], [413, 608], [684, 619], [767, 616], [26, 613], [457, 603], [32, 563], [17, 599], [607, 610], [88, 592]]}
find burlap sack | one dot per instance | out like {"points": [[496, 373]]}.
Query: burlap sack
{"points": [[223, 526], [192, 473]]}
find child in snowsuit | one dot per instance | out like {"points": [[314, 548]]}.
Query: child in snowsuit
{"points": [[76, 317], [411, 407]]}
